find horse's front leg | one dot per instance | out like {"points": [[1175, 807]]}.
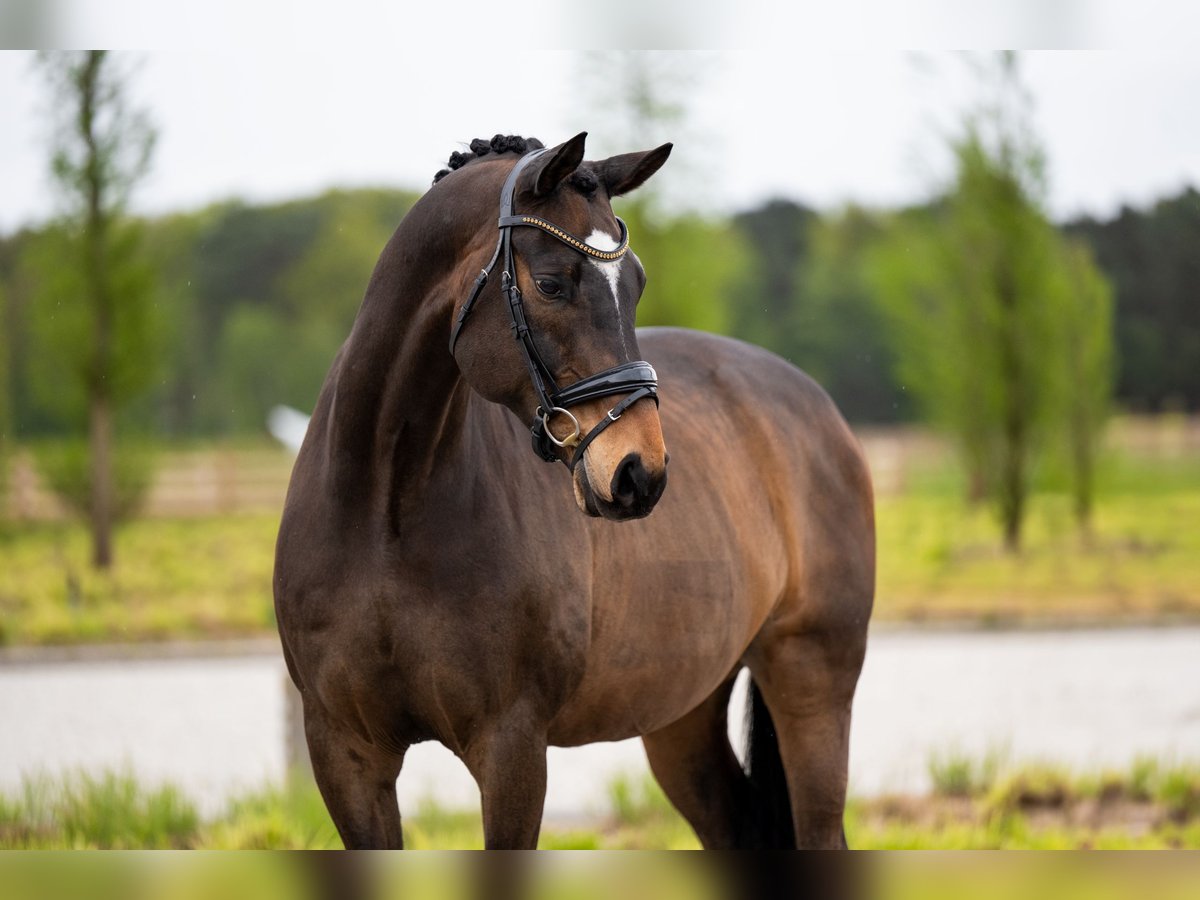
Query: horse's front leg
{"points": [[508, 760], [357, 781]]}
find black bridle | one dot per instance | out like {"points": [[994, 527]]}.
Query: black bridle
{"points": [[638, 379]]}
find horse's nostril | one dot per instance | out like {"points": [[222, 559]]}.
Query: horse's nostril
{"points": [[631, 481]]}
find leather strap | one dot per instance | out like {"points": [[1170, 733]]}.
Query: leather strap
{"points": [[503, 244], [625, 377], [611, 416], [637, 377], [473, 296]]}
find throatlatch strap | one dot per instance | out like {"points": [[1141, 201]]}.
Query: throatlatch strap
{"points": [[482, 280]]}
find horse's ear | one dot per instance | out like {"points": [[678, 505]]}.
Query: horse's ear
{"points": [[557, 165], [621, 174]]}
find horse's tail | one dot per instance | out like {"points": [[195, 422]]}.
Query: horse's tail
{"points": [[768, 820]]}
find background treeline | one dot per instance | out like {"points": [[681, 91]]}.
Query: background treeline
{"points": [[805, 294], [1153, 260], [251, 303]]}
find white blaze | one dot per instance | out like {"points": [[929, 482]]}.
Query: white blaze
{"points": [[610, 269]]}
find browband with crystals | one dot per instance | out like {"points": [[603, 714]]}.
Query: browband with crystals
{"points": [[569, 239]]}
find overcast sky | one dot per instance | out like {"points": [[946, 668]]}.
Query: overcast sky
{"points": [[819, 127]]}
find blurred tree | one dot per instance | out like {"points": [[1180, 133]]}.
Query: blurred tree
{"points": [[1087, 355], [258, 359], [1152, 258], [766, 292], [939, 335], [95, 307], [17, 293], [691, 263], [982, 296], [274, 343], [169, 407], [228, 270], [748, 278], [647, 93], [839, 331], [691, 259], [6, 418]]}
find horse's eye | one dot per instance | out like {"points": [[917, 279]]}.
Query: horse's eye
{"points": [[549, 287]]}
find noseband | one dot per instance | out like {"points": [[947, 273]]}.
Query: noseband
{"points": [[638, 379]]}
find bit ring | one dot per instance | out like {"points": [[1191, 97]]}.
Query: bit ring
{"points": [[570, 440]]}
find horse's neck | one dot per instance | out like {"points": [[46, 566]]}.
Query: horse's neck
{"points": [[397, 399]]}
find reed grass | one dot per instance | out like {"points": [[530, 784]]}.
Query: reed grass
{"points": [[1152, 804]]}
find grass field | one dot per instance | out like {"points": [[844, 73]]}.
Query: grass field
{"points": [[183, 578], [940, 560], [1030, 807]]}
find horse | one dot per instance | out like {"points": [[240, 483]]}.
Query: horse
{"points": [[434, 580]]}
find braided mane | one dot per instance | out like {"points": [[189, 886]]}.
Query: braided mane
{"points": [[583, 179], [501, 143]]}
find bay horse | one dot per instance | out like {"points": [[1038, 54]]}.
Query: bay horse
{"points": [[436, 581]]}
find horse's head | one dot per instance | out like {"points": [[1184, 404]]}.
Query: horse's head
{"points": [[575, 367]]}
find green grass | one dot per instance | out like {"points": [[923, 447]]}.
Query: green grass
{"points": [[1152, 805], [186, 578], [942, 560], [640, 816], [987, 804], [110, 810], [956, 774]]}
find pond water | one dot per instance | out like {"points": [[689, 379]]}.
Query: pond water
{"points": [[216, 726]]}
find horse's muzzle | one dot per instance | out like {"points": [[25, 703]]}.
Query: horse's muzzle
{"points": [[634, 489]]}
